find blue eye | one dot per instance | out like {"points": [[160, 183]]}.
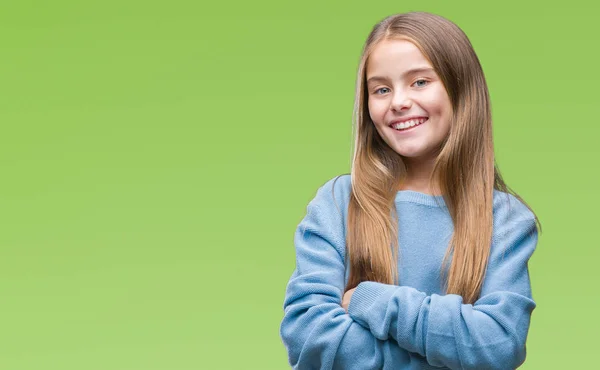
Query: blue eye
{"points": [[423, 84], [422, 81]]}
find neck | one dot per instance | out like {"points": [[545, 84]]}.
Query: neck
{"points": [[417, 177]]}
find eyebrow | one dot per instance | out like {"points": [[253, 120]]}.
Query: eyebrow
{"points": [[407, 73]]}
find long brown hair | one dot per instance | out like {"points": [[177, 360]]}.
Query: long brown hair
{"points": [[465, 169]]}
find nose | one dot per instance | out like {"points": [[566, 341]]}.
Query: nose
{"points": [[400, 101]]}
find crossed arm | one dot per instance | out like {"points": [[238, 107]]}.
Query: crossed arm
{"points": [[393, 327]]}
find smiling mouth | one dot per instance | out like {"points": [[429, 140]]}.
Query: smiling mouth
{"points": [[405, 126]]}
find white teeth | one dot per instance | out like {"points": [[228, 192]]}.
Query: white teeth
{"points": [[407, 124]]}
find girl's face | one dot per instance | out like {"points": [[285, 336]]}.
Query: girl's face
{"points": [[403, 87]]}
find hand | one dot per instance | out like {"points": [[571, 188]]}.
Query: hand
{"points": [[346, 299]]}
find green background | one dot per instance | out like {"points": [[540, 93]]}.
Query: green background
{"points": [[157, 157]]}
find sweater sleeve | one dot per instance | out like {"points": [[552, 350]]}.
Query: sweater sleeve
{"points": [[316, 330], [489, 334]]}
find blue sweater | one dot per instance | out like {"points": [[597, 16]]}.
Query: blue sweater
{"points": [[414, 325]]}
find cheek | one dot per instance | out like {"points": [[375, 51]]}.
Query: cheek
{"points": [[446, 118], [445, 105], [446, 114], [376, 111], [439, 106]]}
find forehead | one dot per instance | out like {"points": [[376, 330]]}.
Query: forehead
{"points": [[394, 57]]}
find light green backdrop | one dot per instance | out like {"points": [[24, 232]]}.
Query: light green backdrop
{"points": [[157, 157]]}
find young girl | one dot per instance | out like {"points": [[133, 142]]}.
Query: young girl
{"points": [[418, 258]]}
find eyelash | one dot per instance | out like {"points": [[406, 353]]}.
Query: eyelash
{"points": [[413, 84]]}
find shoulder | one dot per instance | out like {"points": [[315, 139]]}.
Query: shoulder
{"points": [[329, 206], [326, 213], [509, 213], [506, 205], [334, 193]]}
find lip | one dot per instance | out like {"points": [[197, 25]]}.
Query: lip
{"points": [[409, 130], [399, 120]]}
